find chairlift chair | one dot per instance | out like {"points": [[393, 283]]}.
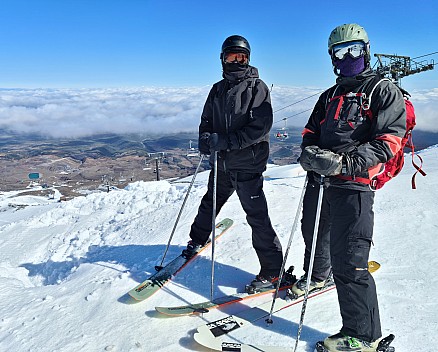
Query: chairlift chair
{"points": [[282, 133]]}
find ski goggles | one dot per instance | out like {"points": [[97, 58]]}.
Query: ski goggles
{"points": [[241, 58], [354, 49]]}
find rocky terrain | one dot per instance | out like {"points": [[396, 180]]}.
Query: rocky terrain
{"points": [[99, 163]]}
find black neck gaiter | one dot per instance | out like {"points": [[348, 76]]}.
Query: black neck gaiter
{"points": [[234, 71]]}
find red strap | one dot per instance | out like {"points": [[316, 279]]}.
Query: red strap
{"points": [[367, 181], [419, 170], [340, 103], [410, 144]]}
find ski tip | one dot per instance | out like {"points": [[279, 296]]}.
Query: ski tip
{"points": [[127, 299], [199, 338], [227, 222], [373, 266]]}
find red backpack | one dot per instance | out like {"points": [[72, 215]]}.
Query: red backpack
{"points": [[395, 164]]}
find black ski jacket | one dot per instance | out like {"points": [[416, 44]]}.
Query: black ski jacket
{"points": [[241, 111], [342, 123]]}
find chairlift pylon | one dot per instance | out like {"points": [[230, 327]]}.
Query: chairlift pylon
{"points": [[192, 151]]}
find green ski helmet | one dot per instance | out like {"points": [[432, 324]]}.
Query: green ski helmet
{"points": [[348, 33]]}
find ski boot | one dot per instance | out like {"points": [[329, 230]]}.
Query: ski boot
{"points": [[261, 283], [299, 287], [192, 249], [340, 342]]}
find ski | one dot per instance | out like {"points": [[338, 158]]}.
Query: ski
{"points": [[384, 345], [205, 307], [208, 334], [155, 282], [218, 345]]}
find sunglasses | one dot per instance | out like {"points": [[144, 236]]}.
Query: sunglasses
{"points": [[354, 49], [241, 58]]}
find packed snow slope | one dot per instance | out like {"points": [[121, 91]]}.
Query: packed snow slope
{"points": [[65, 267]]}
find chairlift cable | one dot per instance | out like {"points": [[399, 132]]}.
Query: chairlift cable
{"points": [[436, 52], [299, 101], [298, 113]]}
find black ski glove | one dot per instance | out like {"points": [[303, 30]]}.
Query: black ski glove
{"points": [[203, 145], [321, 161], [217, 142]]}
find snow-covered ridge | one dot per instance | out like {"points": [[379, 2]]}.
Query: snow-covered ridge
{"points": [[66, 266]]}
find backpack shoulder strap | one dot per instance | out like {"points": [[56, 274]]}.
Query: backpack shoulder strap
{"points": [[331, 93], [367, 106], [253, 82]]}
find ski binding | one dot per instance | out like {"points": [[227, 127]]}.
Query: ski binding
{"points": [[384, 345]]}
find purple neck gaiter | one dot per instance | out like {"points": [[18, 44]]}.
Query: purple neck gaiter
{"points": [[349, 67]]}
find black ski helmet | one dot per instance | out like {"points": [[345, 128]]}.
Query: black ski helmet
{"points": [[235, 43]]}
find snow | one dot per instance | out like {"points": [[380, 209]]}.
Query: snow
{"points": [[65, 267]]}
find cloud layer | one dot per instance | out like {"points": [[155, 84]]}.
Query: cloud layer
{"points": [[72, 113]]}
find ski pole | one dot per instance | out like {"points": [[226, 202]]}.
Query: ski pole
{"points": [[312, 259], [294, 228], [159, 267], [213, 222]]}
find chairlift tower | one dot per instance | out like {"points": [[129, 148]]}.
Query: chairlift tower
{"points": [[192, 151], [158, 157], [396, 67]]}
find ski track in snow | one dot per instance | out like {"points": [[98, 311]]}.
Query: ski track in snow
{"points": [[65, 267]]}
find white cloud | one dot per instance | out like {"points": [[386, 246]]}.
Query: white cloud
{"points": [[426, 111], [80, 112]]}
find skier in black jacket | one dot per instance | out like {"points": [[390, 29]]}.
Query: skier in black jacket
{"points": [[236, 122], [355, 127]]}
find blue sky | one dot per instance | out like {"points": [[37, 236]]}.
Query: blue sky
{"points": [[131, 43]]}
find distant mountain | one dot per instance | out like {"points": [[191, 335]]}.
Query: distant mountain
{"points": [[17, 146], [423, 139]]}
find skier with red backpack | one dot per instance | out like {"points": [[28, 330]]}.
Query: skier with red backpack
{"points": [[356, 126]]}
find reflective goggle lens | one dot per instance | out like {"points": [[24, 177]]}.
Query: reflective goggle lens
{"points": [[241, 58], [354, 49]]}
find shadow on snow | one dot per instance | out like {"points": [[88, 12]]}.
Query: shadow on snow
{"points": [[139, 262]]}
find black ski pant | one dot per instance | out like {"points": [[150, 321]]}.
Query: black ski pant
{"points": [[344, 239], [249, 188]]}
